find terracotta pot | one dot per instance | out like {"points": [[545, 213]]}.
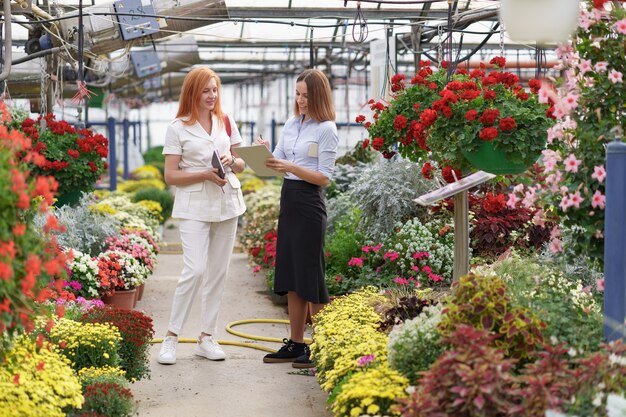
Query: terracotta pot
{"points": [[140, 289], [124, 299], [541, 21]]}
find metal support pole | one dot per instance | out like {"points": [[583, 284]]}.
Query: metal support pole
{"points": [[112, 155], [252, 132], [273, 144], [125, 135], [461, 235], [615, 242]]}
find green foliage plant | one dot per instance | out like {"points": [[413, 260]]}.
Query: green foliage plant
{"points": [[108, 399], [154, 156], [471, 379], [84, 229], [346, 330], [343, 244], [87, 344], [36, 381], [136, 332], [384, 194], [414, 345], [571, 311], [163, 197], [483, 303], [373, 391]]}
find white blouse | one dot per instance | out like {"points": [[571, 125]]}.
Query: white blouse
{"points": [[205, 200]]}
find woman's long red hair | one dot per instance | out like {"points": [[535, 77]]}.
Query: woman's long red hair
{"points": [[195, 82]]}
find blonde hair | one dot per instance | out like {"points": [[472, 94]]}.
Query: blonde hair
{"points": [[319, 95], [193, 85]]}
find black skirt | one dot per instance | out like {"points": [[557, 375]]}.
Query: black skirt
{"points": [[300, 243]]}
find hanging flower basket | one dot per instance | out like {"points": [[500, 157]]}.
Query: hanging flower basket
{"points": [[489, 159], [541, 21]]}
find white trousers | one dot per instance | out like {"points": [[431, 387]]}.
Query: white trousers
{"points": [[207, 248]]}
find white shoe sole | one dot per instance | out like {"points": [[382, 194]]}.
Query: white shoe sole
{"points": [[213, 357], [166, 361]]}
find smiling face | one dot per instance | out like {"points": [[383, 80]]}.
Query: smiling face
{"points": [[208, 98], [302, 99]]}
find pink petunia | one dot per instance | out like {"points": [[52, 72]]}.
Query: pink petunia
{"points": [[571, 163], [575, 199], [620, 26], [598, 200], [615, 76], [599, 173]]}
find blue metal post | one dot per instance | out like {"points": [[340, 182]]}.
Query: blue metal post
{"points": [[112, 155], [125, 133], [615, 242], [273, 133]]}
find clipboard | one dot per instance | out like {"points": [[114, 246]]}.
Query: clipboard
{"points": [[255, 157]]}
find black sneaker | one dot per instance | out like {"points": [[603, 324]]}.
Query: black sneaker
{"points": [[304, 361], [289, 352]]}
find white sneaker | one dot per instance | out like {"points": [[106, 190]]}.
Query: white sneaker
{"points": [[210, 349], [167, 355]]}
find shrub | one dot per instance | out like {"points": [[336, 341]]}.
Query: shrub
{"points": [[405, 308], [36, 382], [131, 186], [85, 230], [163, 197], [136, 332], [483, 303], [343, 244], [572, 313], [146, 172], [384, 193], [343, 177], [105, 374], [414, 345], [345, 330], [471, 379], [372, 391], [154, 156], [87, 344], [108, 399], [414, 237]]}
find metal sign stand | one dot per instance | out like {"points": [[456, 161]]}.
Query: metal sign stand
{"points": [[458, 190]]}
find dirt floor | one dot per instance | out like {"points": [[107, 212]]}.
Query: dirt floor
{"points": [[240, 386]]}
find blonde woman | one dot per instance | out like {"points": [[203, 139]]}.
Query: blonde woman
{"points": [[206, 204], [306, 154]]}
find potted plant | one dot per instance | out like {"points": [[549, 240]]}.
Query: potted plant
{"points": [[465, 120], [76, 158]]}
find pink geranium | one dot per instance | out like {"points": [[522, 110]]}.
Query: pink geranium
{"points": [[355, 262]]}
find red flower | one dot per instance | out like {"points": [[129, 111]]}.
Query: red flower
{"points": [[499, 61], [489, 94], [365, 144], [450, 175], [494, 204], [427, 171], [488, 134], [428, 117], [471, 115], [360, 118], [400, 122], [489, 117], [378, 143], [73, 153], [534, 85], [523, 95], [507, 124]]}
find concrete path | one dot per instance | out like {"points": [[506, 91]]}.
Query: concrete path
{"points": [[240, 386]]}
